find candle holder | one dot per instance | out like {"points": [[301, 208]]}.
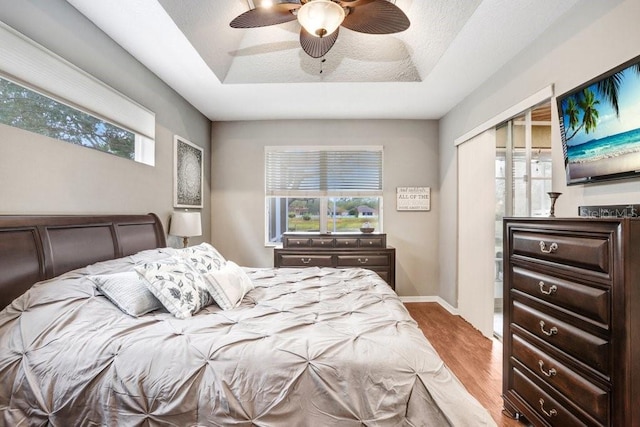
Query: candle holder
{"points": [[554, 197]]}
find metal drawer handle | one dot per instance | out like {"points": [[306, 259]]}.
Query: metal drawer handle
{"points": [[552, 248], [552, 331], [305, 260], [551, 413], [550, 373], [361, 261], [552, 290]]}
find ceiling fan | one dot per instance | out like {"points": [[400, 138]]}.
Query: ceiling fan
{"points": [[320, 19]]}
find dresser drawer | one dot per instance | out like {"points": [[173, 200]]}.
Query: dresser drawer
{"points": [[346, 243], [372, 242], [296, 242], [321, 242], [580, 344], [363, 260], [581, 391], [302, 260], [582, 299], [578, 251], [546, 405]]}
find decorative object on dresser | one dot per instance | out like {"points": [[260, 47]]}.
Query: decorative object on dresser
{"points": [[572, 321], [553, 195], [367, 228], [341, 250], [185, 224]]}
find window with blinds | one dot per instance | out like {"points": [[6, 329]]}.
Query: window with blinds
{"points": [[322, 189]]}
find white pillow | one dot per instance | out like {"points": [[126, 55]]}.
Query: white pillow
{"points": [[128, 292], [203, 257], [178, 286], [228, 285]]}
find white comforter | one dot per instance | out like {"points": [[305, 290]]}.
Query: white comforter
{"points": [[307, 347]]}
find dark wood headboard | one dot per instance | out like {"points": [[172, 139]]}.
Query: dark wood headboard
{"points": [[35, 248]]}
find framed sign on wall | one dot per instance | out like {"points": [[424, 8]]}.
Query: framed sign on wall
{"points": [[188, 174], [413, 198]]}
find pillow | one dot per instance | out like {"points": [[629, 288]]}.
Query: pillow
{"points": [[151, 255], [228, 285], [128, 292], [178, 286], [203, 257]]}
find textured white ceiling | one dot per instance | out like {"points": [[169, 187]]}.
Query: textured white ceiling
{"points": [[451, 47], [273, 54]]}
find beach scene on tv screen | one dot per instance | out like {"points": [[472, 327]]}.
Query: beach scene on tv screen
{"points": [[602, 126]]}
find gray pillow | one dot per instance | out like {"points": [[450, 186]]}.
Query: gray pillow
{"points": [[128, 292]]}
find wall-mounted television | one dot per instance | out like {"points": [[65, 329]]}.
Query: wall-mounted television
{"points": [[600, 126]]}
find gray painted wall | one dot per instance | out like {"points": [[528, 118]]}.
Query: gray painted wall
{"points": [[595, 37], [39, 175], [410, 159]]}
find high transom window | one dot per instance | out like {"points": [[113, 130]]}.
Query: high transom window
{"points": [[26, 109]]}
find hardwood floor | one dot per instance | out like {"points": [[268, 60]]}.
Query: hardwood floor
{"points": [[474, 359]]}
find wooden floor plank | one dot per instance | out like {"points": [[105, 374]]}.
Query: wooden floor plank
{"points": [[473, 358]]}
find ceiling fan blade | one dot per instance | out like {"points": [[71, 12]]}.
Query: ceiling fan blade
{"points": [[375, 17], [317, 47], [354, 3], [265, 16]]}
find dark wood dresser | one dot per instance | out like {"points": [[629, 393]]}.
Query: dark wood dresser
{"points": [[340, 250], [572, 321]]}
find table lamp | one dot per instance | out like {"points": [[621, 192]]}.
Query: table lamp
{"points": [[185, 224]]}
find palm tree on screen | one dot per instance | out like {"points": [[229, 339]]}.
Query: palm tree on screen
{"points": [[572, 113], [609, 88], [587, 102]]}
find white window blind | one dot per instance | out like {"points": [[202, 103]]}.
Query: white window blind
{"points": [[25, 61], [323, 171]]}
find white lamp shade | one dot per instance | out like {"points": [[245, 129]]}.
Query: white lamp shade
{"points": [[321, 17], [186, 224]]}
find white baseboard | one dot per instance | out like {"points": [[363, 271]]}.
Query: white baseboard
{"points": [[439, 300]]}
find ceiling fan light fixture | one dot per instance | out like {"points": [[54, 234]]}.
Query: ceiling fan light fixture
{"points": [[320, 17]]}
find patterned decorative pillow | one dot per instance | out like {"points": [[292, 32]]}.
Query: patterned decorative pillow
{"points": [[203, 257], [128, 292], [178, 286], [228, 285]]}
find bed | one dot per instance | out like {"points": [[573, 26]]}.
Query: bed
{"points": [[302, 347]]}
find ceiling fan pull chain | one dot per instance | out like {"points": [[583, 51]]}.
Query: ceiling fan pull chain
{"points": [[322, 63]]}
